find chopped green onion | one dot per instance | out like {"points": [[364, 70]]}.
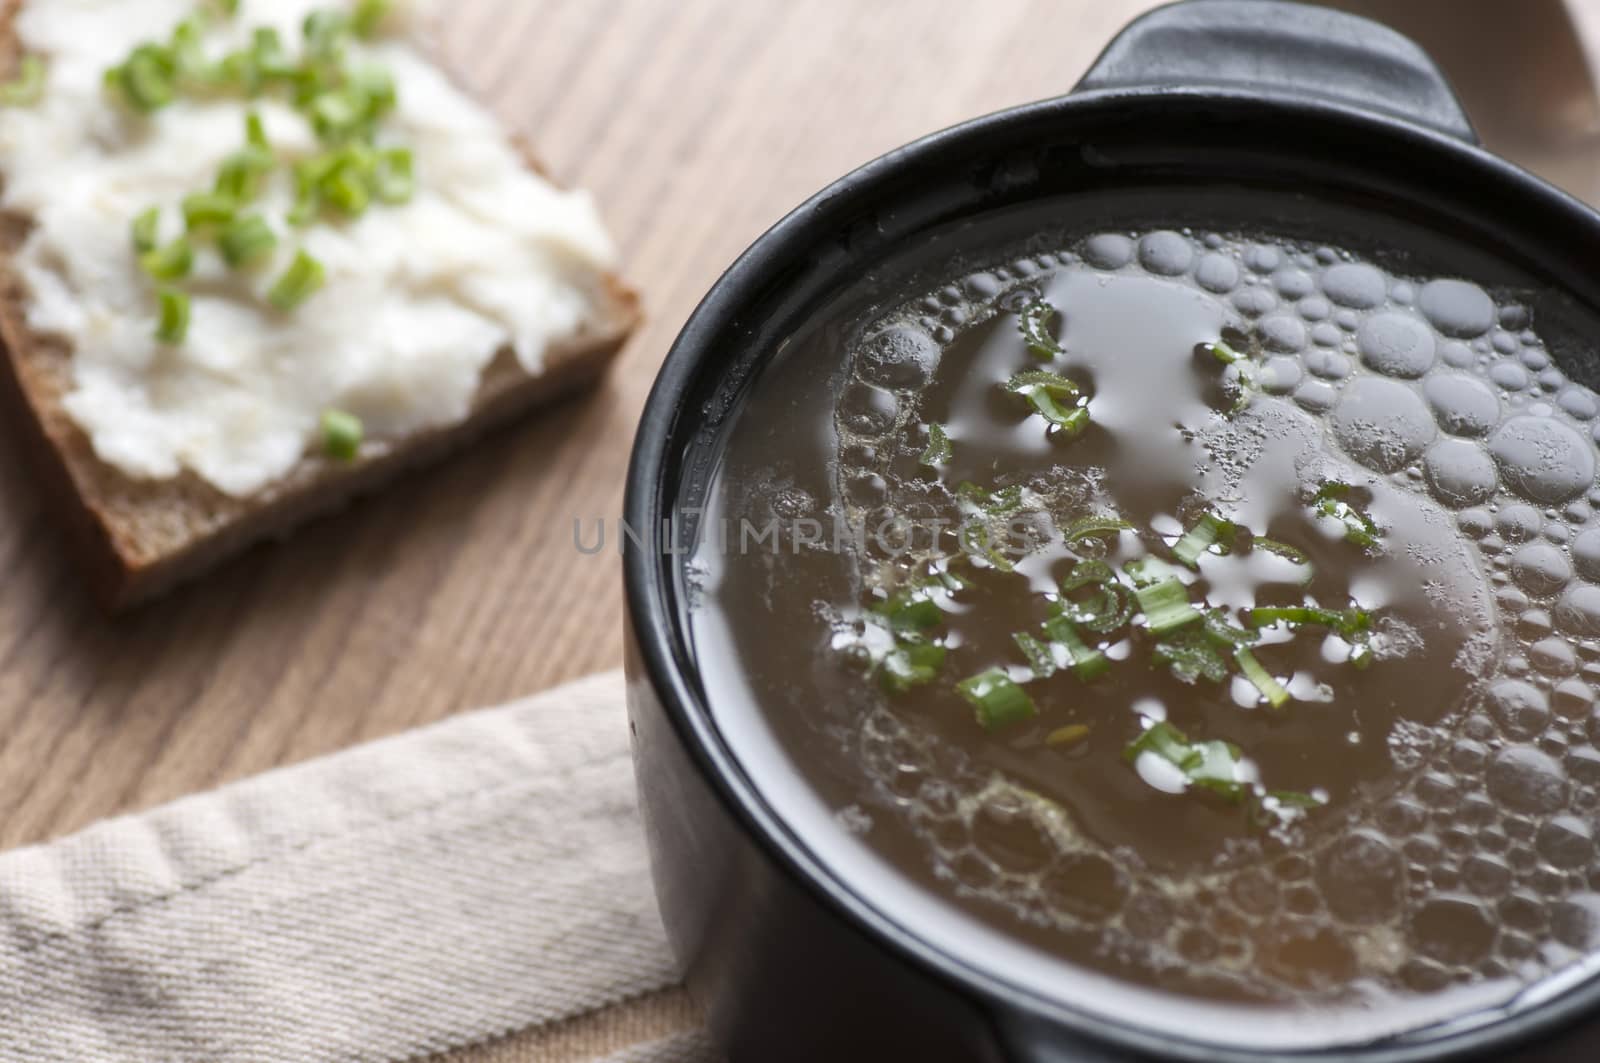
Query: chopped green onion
{"points": [[188, 56], [268, 56], [1094, 527], [976, 541], [1295, 799], [394, 180], [347, 190], [147, 80], [375, 86], [917, 616], [1330, 501], [1040, 659], [308, 177], [1166, 606], [255, 131], [349, 178], [351, 110], [988, 507], [1283, 550], [1089, 572], [1190, 656], [306, 205], [913, 665], [226, 7], [1146, 571], [169, 263], [1071, 734], [247, 240], [1290, 554], [998, 701], [341, 435], [299, 282], [1102, 614], [146, 230], [999, 503], [1004, 501], [1089, 663], [1211, 531], [1220, 631], [1162, 597], [1223, 353], [359, 159], [27, 88], [1217, 769], [204, 209], [1210, 765], [325, 33], [173, 325], [1254, 671], [1034, 322], [938, 450], [240, 176], [1281, 806], [910, 612], [248, 70], [1045, 392], [239, 70], [948, 578], [1162, 739], [1241, 364], [368, 16], [1346, 622], [1036, 379], [1109, 610], [337, 114], [310, 80]]}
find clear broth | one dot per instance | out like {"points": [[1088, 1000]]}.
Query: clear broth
{"points": [[1448, 861]]}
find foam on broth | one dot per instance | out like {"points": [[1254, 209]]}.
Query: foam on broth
{"points": [[1449, 859]]}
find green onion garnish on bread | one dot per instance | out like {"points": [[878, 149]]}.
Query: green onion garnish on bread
{"points": [[258, 256]]}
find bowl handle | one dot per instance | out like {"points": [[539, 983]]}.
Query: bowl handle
{"points": [[1281, 49]]}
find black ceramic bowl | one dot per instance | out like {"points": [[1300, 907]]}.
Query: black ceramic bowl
{"points": [[789, 960]]}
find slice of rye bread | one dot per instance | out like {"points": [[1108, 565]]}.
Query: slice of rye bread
{"points": [[136, 539]]}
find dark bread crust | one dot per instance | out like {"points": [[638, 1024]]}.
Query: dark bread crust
{"points": [[136, 539]]}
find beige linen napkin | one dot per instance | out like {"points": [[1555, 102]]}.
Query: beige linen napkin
{"points": [[481, 882]]}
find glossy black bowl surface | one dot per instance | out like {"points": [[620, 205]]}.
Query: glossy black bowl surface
{"points": [[790, 962]]}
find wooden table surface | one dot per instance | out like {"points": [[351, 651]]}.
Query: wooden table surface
{"points": [[696, 124]]}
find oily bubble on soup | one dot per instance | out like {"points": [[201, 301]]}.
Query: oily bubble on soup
{"points": [[1454, 776]]}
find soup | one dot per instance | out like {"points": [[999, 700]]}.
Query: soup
{"points": [[1206, 617]]}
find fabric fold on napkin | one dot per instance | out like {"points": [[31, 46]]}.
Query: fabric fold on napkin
{"points": [[443, 888]]}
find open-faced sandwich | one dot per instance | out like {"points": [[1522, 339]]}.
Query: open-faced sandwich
{"points": [[258, 256]]}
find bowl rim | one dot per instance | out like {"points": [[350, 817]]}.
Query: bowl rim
{"points": [[668, 421]]}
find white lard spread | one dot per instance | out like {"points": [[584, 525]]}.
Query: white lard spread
{"points": [[418, 297]]}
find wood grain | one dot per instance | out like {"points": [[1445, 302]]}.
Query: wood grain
{"points": [[696, 124]]}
